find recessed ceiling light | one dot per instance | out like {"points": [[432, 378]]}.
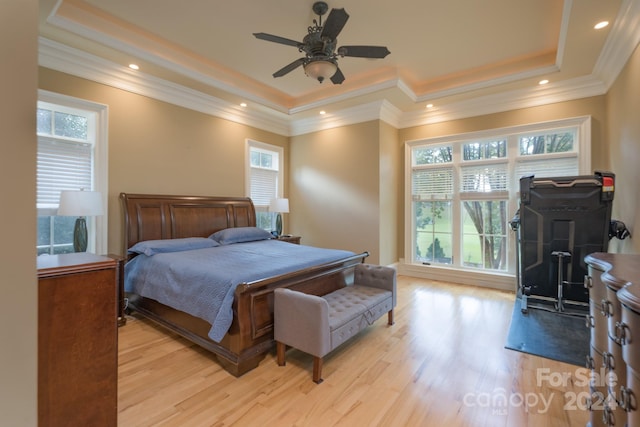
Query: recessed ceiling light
{"points": [[323, 112], [429, 105], [243, 104], [543, 82], [601, 25], [134, 66]]}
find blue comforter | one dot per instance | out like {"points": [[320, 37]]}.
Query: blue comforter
{"points": [[202, 282]]}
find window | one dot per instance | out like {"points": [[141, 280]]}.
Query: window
{"points": [[71, 156], [265, 179], [464, 189]]}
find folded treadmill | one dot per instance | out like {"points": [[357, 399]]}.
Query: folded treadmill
{"points": [[560, 220]]}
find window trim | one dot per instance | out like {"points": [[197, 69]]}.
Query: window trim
{"points": [[501, 280], [100, 159]]}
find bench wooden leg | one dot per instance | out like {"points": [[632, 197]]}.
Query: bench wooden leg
{"points": [[317, 369], [390, 317], [280, 350]]}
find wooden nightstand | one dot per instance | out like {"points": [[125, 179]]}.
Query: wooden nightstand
{"points": [[77, 340], [290, 239]]}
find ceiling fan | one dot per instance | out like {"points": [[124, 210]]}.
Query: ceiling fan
{"points": [[319, 46]]}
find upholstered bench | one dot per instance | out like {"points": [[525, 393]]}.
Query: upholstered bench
{"points": [[319, 324]]}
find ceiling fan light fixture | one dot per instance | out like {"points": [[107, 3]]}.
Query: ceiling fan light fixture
{"points": [[320, 69], [319, 47]]}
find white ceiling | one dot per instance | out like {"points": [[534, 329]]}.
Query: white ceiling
{"points": [[454, 54]]}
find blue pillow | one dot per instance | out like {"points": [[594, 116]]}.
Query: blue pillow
{"points": [[152, 247], [239, 235]]}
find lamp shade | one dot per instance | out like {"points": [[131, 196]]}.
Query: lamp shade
{"points": [[320, 69], [80, 203], [279, 205]]}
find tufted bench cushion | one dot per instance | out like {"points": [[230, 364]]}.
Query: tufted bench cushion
{"points": [[353, 308], [317, 325]]}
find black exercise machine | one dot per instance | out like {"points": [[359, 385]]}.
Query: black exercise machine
{"points": [[561, 220]]}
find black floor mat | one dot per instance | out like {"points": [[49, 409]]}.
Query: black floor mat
{"points": [[549, 334]]}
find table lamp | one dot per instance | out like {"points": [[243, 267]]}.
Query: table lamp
{"points": [[279, 206], [81, 204]]}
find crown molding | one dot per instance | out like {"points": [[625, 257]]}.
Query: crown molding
{"points": [[345, 117], [388, 84], [72, 61], [391, 114], [149, 50], [377, 110], [620, 44], [568, 90], [59, 57], [486, 84]]}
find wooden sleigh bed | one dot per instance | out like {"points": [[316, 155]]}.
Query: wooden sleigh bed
{"points": [[250, 337]]}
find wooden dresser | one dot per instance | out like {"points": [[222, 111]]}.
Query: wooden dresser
{"points": [[77, 340], [614, 300]]}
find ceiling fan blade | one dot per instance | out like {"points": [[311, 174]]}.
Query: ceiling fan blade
{"points": [[337, 77], [289, 68], [334, 24], [277, 39], [364, 51]]}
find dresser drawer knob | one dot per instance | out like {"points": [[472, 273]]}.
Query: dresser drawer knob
{"points": [[590, 322], [608, 361], [607, 416], [622, 333], [627, 399], [596, 398], [590, 363], [606, 308]]}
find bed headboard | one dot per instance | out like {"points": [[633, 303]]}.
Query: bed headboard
{"points": [[152, 216]]}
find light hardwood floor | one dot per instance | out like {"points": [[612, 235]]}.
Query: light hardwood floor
{"points": [[443, 363]]}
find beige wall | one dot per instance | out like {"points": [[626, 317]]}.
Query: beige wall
{"points": [[623, 146], [156, 147], [593, 106], [345, 189], [18, 304], [391, 185], [334, 188]]}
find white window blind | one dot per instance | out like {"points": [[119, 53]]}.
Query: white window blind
{"points": [[432, 183], [563, 166], [485, 178], [548, 167], [264, 185], [61, 165]]}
